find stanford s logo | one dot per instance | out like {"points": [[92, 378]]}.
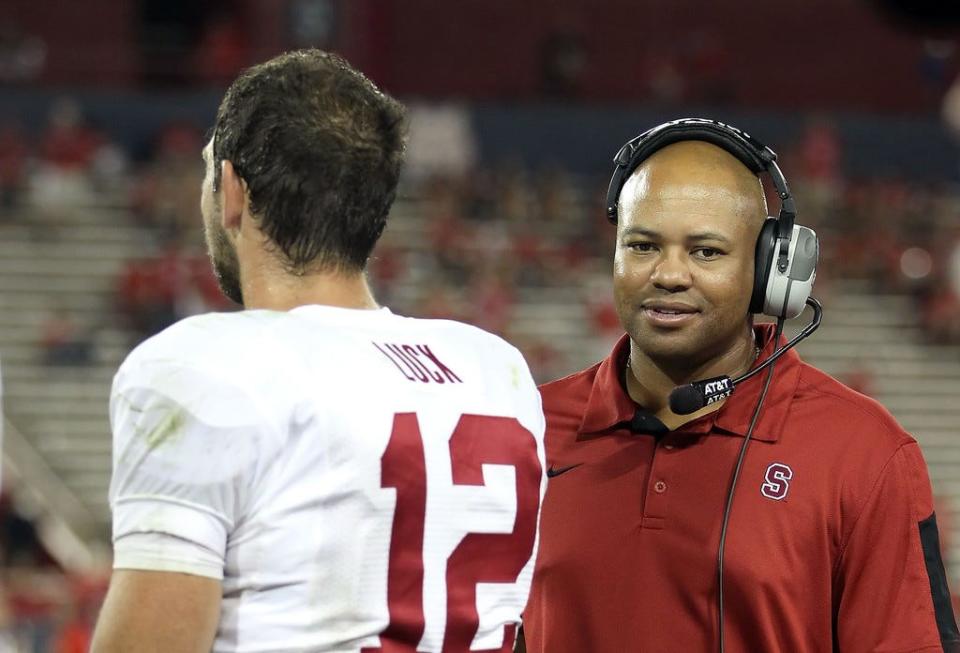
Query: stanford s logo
{"points": [[777, 481]]}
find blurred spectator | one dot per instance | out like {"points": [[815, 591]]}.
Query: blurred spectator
{"points": [[168, 31], [440, 142], [63, 342], [820, 153], [7, 641], [665, 81], [860, 377], [709, 63], [223, 51], [68, 144], [950, 108], [545, 360], [67, 154], [21, 56], [155, 292], [479, 194], [79, 615], [75, 636], [24, 574], [41, 609], [13, 166], [820, 160], [437, 300], [940, 313], [952, 263], [145, 305], [492, 299], [602, 316], [563, 62], [448, 235], [19, 543], [386, 269], [555, 194], [108, 174], [529, 252], [937, 61], [513, 199], [166, 196]]}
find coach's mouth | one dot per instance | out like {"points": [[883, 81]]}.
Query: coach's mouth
{"points": [[668, 314]]}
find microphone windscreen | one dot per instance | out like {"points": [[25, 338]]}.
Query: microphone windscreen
{"points": [[687, 399]]}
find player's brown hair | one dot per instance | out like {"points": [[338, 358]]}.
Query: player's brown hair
{"points": [[320, 148]]}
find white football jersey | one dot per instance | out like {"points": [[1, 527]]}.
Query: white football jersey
{"points": [[362, 482]]}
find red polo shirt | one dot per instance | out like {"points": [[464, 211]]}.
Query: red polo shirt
{"points": [[827, 539]]}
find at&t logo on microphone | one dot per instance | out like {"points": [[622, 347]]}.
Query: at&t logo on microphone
{"points": [[719, 389], [776, 481]]}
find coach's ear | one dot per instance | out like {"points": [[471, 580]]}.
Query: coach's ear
{"points": [[234, 196]]}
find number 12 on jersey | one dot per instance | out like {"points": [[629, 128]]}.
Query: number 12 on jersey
{"points": [[479, 557]]}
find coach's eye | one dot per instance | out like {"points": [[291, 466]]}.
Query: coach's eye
{"points": [[642, 248], [707, 253]]}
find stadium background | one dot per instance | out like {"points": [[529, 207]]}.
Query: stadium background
{"points": [[516, 112]]}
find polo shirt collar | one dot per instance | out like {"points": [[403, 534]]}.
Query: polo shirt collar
{"points": [[609, 405]]}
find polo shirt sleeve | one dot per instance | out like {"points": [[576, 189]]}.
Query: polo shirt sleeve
{"points": [[890, 586]]}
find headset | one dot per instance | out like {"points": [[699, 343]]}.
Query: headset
{"points": [[785, 269]]}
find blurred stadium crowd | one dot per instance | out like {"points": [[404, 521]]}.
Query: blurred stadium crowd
{"points": [[485, 231]]}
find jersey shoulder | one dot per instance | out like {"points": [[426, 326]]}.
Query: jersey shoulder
{"points": [[208, 361], [468, 333], [492, 350], [201, 341], [200, 384]]}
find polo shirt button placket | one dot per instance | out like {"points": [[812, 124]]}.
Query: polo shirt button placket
{"points": [[655, 504]]}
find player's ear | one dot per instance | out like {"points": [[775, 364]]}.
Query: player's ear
{"points": [[234, 196]]}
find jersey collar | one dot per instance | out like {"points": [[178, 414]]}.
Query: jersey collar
{"points": [[609, 406]]}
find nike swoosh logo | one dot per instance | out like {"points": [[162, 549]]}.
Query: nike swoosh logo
{"points": [[553, 472]]}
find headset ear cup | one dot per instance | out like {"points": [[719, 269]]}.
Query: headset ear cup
{"points": [[763, 263]]}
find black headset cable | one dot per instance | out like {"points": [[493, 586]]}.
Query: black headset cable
{"points": [[733, 485]]}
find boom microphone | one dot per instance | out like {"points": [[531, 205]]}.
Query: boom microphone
{"points": [[691, 397]]}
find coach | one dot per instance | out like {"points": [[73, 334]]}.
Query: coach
{"points": [[832, 541]]}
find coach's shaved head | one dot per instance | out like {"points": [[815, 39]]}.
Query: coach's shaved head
{"points": [[696, 171]]}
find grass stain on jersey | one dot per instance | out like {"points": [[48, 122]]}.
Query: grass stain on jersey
{"points": [[166, 430]]}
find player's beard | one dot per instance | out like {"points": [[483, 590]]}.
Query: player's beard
{"points": [[223, 256]]}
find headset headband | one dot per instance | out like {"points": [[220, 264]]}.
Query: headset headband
{"points": [[752, 153]]}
